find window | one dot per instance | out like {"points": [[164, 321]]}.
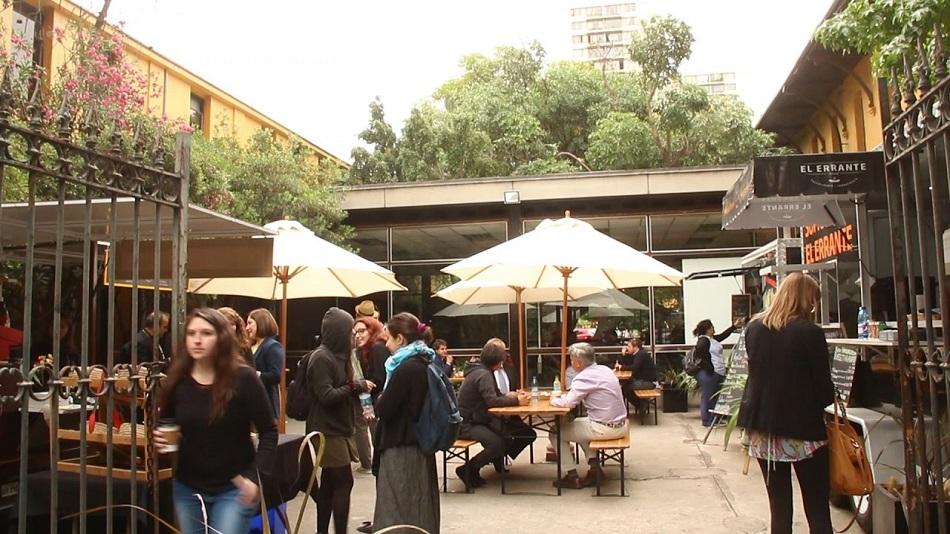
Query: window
{"points": [[700, 231], [620, 65], [197, 117], [613, 10], [446, 241], [577, 25], [577, 12], [629, 7], [577, 39], [372, 243], [716, 77], [26, 28], [595, 11]]}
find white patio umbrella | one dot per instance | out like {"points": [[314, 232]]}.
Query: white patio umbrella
{"points": [[563, 253], [465, 310], [609, 299], [305, 266], [485, 291]]}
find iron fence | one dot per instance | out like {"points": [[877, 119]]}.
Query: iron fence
{"points": [[52, 166], [916, 147]]}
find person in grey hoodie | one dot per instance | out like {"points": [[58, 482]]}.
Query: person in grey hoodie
{"points": [[335, 392], [497, 435]]}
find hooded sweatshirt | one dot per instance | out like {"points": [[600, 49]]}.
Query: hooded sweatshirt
{"points": [[330, 377]]}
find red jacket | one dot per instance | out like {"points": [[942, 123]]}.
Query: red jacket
{"points": [[9, 337]]}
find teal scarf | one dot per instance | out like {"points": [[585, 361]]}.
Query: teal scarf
{"points": [[403, 354]]}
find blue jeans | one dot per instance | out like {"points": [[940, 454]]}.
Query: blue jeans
{"points": [[709, 385], [225, 512]]}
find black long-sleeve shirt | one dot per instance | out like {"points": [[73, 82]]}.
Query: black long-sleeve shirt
{"points": [[211, 453]]}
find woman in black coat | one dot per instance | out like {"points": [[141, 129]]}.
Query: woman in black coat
{"points": [[784, 402], [268, 353]]}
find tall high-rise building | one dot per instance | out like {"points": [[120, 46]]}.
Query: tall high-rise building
{"points": [[602, 33], [715, 83]]}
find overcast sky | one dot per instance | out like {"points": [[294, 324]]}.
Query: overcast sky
{"points": [[314, 65]]}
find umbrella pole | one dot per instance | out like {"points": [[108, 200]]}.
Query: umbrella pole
{"points": [[522, 348], [284, 279], [566, 273]]}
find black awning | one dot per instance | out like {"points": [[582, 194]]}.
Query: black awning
{"points": [[706, 275], [800, 189]]}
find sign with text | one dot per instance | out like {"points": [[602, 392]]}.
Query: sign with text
{"points": [[843, 363], [825, 243], [734, 385], [741, 307]]}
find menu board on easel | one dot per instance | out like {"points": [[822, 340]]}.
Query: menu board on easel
{"points": [[843, 363], [734, 385], [741, 307]]}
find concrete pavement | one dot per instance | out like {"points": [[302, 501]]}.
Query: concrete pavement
{"points": [[675, 484]]}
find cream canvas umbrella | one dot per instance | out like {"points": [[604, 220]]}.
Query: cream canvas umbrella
{"points": [[563, 253], [486, 291], [305, 266]]}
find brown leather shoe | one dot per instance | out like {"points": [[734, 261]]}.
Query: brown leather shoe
{"points": [[568, 481], [590, 479]]}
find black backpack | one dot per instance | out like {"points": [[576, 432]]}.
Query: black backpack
{"points": [[693, 364], [299, 395], [439, 421]]}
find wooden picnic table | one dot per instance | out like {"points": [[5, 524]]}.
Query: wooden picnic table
{"points": [[623, 375], [548, 419]]}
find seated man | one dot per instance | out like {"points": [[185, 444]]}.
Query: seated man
{"points": [[641, 365], [598, 388], [497, 435]]}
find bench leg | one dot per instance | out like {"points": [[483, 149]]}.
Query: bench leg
{"points": [[445, 468], [655, 414], [622, 478], [467, 488], [601, 460]]}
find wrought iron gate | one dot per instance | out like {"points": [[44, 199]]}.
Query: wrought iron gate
{"points": [[916, 146], [80, 179]]}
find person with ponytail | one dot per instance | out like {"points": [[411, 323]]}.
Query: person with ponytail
{"points": [[407, 487], [214, 398]]}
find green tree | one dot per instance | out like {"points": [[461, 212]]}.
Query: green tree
{"points": [[380, 165], [659, 48], [267, 179], [885, 29], [622, 141]]}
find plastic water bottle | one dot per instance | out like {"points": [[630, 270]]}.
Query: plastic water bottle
{"points": [[864, 329], [367, 403], [556, 390], [535, 394]]}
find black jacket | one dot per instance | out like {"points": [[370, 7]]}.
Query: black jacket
{"points": [[789, 382], [376, 373], [144, 341], [269, 361], [478, 393], [702, 348], [330, 377], [399, 405], [642, 366]]}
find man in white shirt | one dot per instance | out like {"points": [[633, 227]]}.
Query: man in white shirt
{"points": [[501, 376]]}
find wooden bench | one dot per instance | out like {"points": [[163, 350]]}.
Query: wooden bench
{"points": [[647, 398], [459, 451], [611, 449]]}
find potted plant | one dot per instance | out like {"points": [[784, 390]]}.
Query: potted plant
{"points": [[676, 388]]}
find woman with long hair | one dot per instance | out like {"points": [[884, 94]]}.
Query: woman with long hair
{"points": [[398, 458], [712, 369], [268, 353], [214, 398], [239, 329], [367, 347], [783, 406]]}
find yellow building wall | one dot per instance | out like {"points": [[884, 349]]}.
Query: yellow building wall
{"points": [[862, 117], [170, 86]]}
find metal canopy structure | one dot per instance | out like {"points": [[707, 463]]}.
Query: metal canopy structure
{"points": [[800, 189], [14, 223]]}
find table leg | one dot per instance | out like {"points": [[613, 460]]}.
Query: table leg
{"points": [[557, 436], [531, 448], [503, 479]]}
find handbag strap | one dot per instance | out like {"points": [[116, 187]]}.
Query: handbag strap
{"points": [[854, 516]]}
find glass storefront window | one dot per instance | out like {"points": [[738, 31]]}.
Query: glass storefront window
{"points": [[447, 241], [471, 331], [371, 243], [630, 231], [602, 326], [701, 231], [668, 309]]}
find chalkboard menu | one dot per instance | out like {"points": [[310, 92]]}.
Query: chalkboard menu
{"points": [[741, 307], [842, 369], [734, 385]]}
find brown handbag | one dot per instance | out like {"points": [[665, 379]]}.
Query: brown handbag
{"points": [[850, 471]]}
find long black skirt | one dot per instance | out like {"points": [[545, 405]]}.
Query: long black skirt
{"points": [[407, 490]]}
